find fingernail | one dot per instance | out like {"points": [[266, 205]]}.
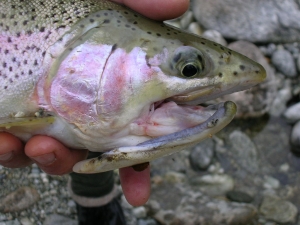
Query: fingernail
{"points": [[6, 156], [45, 159]]}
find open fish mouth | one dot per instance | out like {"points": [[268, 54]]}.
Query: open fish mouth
{"points": [[213, 119]]}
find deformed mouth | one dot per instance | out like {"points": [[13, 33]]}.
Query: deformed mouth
{"points": [[164, 145]]}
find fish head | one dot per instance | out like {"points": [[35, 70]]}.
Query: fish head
{"points": [[155, 88]]}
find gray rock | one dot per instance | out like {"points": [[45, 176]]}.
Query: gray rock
{"points": [[195, 28], [59, 219], [19, 200], [258, 100], [214, 184], [284, 62], [231, 213], [279, 103], [140, 212], [215, 36], [239, 196], [292, 114], [244, 151], [255, 21], [165, 217], [269, 49], [147, 222], [278, 210], [298, 63], [295, 139], [202, 155]]}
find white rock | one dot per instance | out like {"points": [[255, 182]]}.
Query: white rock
{"points": [[140, 212]]}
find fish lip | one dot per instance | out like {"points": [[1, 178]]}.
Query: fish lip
{"points": [[223, 109]]}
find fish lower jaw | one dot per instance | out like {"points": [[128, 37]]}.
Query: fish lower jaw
{"points": [[163, 145]]}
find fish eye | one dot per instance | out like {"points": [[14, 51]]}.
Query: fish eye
{"points": [[189, 70]]}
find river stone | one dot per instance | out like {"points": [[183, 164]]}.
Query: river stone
{"points": [[214, 184], [239, 196], [215, 36], [284, 62], [59, 219], [257, 100], [202, 155], [298, 63], [244, 151], [292, 114], [20, 199], [295, 139], [278, 210], [255, 21]]}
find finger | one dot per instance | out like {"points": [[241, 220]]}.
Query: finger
{"points": [[11, 152], [157, 9], [52, 156], [135, 185]]}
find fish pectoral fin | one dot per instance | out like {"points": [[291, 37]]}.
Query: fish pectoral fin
{"points": [[8, 123], [161, 146]]}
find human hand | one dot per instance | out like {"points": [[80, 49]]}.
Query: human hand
{"points": [[56, 159]]}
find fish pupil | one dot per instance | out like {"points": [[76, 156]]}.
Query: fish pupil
{"points": [[189, 70]]}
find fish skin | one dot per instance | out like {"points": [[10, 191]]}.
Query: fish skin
{"points": [[97, 68]]}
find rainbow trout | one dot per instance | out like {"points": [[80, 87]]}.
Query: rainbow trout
{"points": [[96, 75]]}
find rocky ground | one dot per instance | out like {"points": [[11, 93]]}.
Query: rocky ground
{"points": [[247, 174]]}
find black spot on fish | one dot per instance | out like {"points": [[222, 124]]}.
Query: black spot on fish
{"points": [[158, 34], [105, 14], [18, 34], [106, 21], [25, 22], [35, 63], [10, 69], [127, 25], [149, 32], [30, 72], [222, 48], [168, 34], [5, 87], [202, 42], [256, 71], [235, 73], [4, 64], [220, 74], [135, 22], [25, 62], [9, 40], [92, 20], [13, 59], [215, 44], [242, 67], [6, 51], [114, 47]]}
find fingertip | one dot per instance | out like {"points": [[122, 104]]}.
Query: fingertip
{"points": [[136, 185], [52, 156], [157, 9], [11, 152]]}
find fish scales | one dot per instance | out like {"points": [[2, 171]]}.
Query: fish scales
{"points": [[95, 75]]}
